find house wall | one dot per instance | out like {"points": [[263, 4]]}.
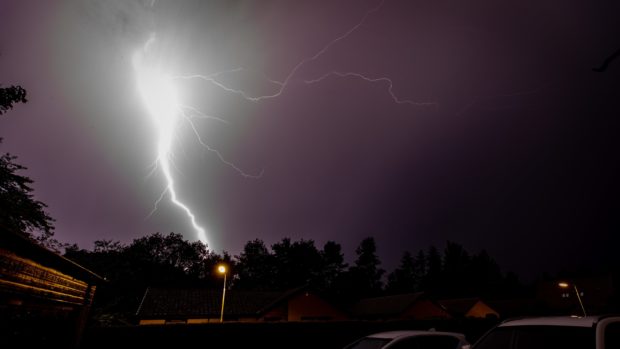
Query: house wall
{"points": [[307, 306], [248, 319], [190, 321], [279, 313], [193, 321], [425, 310], [199, 321], [481, 310]]}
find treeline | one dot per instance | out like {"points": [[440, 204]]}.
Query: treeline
{"points": [[159, 260]]}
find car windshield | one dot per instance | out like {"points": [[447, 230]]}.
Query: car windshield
{"points": [[538, 337], [369, 343]]}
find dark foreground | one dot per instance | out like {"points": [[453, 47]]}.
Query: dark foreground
{"points": [[267, 335]]}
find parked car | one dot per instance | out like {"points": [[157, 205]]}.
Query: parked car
{"points": [[411, 340], [591, 332]]}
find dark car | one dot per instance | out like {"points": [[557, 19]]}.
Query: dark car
{"points": [[590, 332]]}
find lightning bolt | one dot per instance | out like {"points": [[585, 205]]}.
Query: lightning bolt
{"points": [[160, 98], [282, 85], [158, 93], [388, 81]]}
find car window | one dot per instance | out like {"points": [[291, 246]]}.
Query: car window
{"points": [[369, 343], [427, 342], [539, 337], [498, 338], [545, 337], [612, 335]]}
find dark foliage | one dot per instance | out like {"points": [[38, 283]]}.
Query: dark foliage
{"points": [[299, 335], [298, 263], [154, 260], [404, 278], [256, 267], [456, 273], [159, 260], [333, 267], [11, 95], [288, 265], [603, 67], [20, 212], [364, 278]]}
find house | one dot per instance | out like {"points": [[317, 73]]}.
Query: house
{"points": [[302, 305], [44, 297], [468, 308], [413, 306], [161, 306]]}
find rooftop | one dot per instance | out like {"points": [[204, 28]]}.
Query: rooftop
{"points": [[459, 306], [13, 243], [389, 305], [159, 302]]}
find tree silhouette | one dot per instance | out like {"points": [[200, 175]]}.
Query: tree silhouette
{"points": [[20, 212], [403, 278], [298, 263], [432, 279], [333, 266], [456, 273], [455, 278], [155, 260], [255, 267], [172, 259], [419, 269], [485, 275], [607, 62], [364, 277], [158, 260], [11, 95]]}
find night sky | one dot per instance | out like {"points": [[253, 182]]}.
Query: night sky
{"points": [[517, 152]]}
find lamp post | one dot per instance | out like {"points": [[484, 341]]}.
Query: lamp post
{"points": [[567, 285], [222, 270]]}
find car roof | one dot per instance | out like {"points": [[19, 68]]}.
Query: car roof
{"points": [[587, 321], [397, 334]]}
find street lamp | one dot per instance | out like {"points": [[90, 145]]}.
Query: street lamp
{"points": [[567, 285], [222, 270]]}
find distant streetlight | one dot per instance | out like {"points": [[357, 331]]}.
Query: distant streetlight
{"points": [[222, 270], [567, 285]]}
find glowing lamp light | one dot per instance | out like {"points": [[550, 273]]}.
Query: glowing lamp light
{"points": [[222, 270], [564, 284]]}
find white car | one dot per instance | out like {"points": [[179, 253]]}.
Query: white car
{"points": [[411, 340], [591, 332]]}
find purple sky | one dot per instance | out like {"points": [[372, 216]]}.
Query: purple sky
{"points": [[517, 156]]}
